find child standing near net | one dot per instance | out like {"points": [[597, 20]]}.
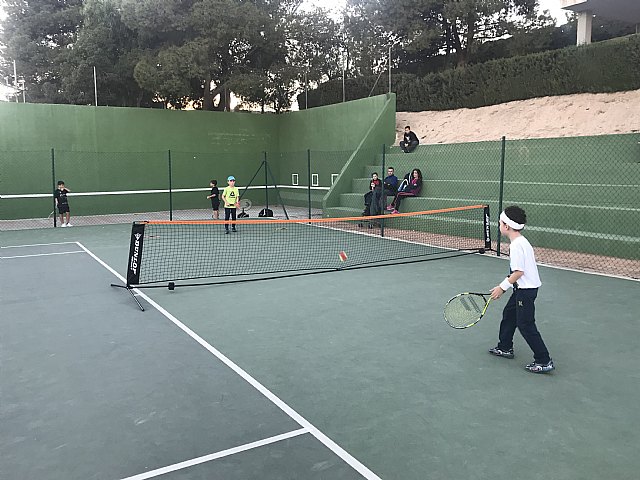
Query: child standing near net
{"points": [[519, 312], [231, 199], [215, 199], [60, 196]]}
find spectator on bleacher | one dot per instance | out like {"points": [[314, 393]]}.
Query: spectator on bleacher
{"points": [[390, 183], [390, 188], [410, 141], [374, 185], [409, 187]]}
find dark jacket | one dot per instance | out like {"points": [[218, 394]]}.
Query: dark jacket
{"points": [[411, 137]]}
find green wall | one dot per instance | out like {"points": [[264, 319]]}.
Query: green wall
{"points": [[27, 126], [340, 127], [106, 149]]}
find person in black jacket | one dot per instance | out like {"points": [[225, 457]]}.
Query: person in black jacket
{"points": [[410, 141]]}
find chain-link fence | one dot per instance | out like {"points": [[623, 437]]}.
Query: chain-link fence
{"points": [[120, 187], [581, 195]]}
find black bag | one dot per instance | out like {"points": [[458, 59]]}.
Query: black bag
{"points": [[266, 212]]}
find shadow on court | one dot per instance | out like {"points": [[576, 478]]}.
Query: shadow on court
{"points": [[93, 388]]}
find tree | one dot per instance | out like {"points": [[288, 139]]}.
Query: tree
{"points": [[35, 35], [106, 43], [450, 27]]}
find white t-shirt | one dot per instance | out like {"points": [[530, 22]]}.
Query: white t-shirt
{"points": [[523, 259]]}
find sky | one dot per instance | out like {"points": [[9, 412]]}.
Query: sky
{"points": [[552, 5]]}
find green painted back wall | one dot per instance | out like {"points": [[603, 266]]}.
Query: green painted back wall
{"points": [[25, 126]]}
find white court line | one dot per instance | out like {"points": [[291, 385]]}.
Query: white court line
{"points": [[308, 426], [215, 456], [40, 245], [42, 254]]}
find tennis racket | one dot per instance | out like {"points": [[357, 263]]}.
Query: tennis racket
{"points": [[50, 215], [466, 309], [245, 204]]}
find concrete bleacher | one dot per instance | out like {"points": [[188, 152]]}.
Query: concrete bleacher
{"points": [[580, 194]]}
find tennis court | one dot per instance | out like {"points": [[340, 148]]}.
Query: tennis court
{"points": [[344, 375]]}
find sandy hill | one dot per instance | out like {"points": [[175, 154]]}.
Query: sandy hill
{"points": [[546, 117]]}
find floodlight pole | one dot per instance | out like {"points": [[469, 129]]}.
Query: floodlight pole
{"points": [[15, 80], [306, 91], [389, 69], [95, 85]]}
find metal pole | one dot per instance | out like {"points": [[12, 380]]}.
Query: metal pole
{"points": [[383, 199], [306, 92], [501, 195], [266, 183], [95, 85], [309, 179], [170, 188], [15, 80], [389, 69], [344, 72], [53, 182]]}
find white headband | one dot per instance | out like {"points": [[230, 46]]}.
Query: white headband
{"points": [[511, 223]]}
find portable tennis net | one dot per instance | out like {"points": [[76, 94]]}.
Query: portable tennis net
{"points": [[165, 252]]}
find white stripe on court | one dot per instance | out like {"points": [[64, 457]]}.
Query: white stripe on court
{"points": [[308, 426], [40, 245], [214, 456], [42, 254]]}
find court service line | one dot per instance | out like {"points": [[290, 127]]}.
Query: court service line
{"points": [[43, 254], [40, 245], [321, 437], [215, 456]]}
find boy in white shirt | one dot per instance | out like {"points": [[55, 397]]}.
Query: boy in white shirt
{"points": [[520, 308]]}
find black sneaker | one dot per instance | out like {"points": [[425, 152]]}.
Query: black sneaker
{"points": [[541, 367], [226, 232], [234, 230], [501, 353]]}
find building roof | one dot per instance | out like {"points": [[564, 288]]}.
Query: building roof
{"points": [[623, 10]]}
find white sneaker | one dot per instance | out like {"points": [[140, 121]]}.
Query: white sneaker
{"points": [[69, 225], [63, 225]]}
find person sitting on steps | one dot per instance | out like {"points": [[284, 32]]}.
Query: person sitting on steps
{"points": [[371, 207], [409, 187], [410, 141]]}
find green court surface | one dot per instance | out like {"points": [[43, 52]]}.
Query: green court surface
{"points": [[343, 375]]}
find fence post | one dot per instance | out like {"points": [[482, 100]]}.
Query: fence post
{"points": [[382, 196], [53, 182], [501, 196], [170, 187], [309, 179], [266, 182]]}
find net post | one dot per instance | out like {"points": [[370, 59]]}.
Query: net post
{"points": [[266, 182], [136, 245], [135, 260], [53, 182], [382, 196], [170, 186], [309, 179], [501, 196]]}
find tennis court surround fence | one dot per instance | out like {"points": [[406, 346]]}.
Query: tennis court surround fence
{"points": [[581, 194]]}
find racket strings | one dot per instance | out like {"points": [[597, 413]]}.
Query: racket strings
{"points": [[464, 310]]}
